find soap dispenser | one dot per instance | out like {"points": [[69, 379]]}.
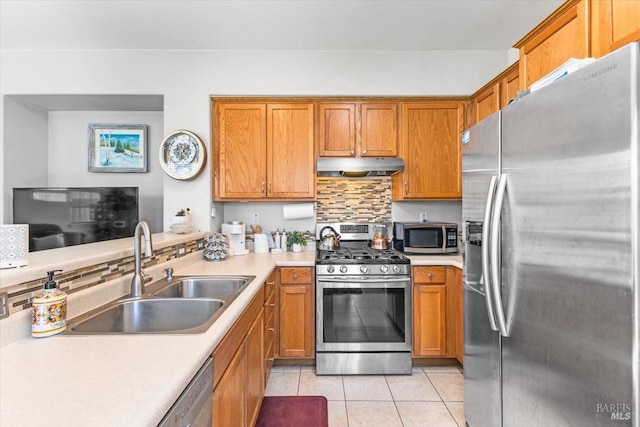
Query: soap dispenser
{"points": [[49, 315]]}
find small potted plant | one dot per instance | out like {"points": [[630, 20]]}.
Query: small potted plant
{"points": [[296, 240], [183, 216]]}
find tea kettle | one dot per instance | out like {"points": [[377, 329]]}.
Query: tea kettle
{"points": [[331, 241], [379, 240]]}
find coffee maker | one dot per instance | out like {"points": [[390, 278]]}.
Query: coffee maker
{"points": [[235, 232]]}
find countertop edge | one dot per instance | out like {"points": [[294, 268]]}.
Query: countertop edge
{"points": [[80, 256], [177, 357]]}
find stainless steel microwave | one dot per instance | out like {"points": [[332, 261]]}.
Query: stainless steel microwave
{"points": [[426, 238]]}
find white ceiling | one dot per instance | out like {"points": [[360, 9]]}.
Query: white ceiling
{"points": [[365, 25]]}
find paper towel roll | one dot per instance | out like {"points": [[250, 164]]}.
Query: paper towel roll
{"points": [[298, 211]]}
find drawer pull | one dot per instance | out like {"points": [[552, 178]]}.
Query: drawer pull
{"points": [[273, 304], [270, 359], [271, 283], [271, 329], [295, 276], [430, 276]]}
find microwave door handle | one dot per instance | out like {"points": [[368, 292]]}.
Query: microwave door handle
{"points": [[486, 269], [496, 282], [444, 238]]}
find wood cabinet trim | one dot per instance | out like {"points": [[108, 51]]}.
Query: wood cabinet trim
{"points": [[542, 33], [549, 21]]}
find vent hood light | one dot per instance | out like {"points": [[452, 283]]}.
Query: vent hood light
{"points": [[359, 167]]}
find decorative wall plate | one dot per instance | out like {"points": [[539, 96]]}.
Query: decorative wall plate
{"points": [[182, 155]]}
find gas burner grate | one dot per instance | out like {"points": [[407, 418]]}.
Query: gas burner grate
{"points": [[364, 255]]}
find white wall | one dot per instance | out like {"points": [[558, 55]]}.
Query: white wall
{"points": [[271, 217], [187, 79], [68, 151], [449, 211], [24, 152]]}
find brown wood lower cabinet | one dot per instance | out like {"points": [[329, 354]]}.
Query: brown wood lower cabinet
{"points": [[437, 312], [269, 324], [229, 409], [255, 368], [239, 369], [429, 322], [296, 322]]}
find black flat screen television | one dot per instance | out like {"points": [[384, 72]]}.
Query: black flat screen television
{"points": [[70, 216]]}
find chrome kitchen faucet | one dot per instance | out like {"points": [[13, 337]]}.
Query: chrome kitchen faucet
{"points": [[137, 284]]}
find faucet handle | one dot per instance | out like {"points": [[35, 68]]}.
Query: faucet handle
{"points": [[169, 272]]}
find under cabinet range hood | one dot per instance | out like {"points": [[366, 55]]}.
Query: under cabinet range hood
{"points": [[359, 167]]}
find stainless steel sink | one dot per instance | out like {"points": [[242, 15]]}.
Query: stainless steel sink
{"points": [[180, 305], [149, 316], [204, 286]]}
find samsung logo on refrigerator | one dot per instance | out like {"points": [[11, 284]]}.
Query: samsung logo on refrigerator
{"points": [[601, 71]]}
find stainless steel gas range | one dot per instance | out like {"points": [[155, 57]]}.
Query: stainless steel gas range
{"points": [[363, 305]]}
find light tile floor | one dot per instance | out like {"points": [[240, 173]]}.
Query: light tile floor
{"points": [[430, 396]]}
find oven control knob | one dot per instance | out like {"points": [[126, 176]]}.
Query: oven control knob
{"points": [[331, 269], [343, 269], [396, 269], [364, 269], [384, 268]]}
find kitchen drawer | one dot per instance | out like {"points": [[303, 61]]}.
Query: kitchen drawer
{"points": [[270, 285], [429, 275], [269, 311], [295, 275]]}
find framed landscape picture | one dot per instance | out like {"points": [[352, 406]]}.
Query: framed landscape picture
{"points": [[117, 148]]}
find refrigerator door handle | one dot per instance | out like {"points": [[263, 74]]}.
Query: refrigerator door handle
{"points": [[496, 278], [486, 273]]}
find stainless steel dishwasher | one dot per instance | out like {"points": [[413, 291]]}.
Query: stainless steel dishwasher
{"points": [[194, 407]]}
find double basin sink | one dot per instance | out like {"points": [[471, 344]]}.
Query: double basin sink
{"points": [[182, 305]]}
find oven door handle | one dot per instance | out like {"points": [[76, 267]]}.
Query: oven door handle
{"points": [[404, 279], [387, 283]]}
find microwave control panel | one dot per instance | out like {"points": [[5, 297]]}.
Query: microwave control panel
{"points": [[452, 237]]}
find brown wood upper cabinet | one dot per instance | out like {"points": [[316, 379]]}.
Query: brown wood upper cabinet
{"points": [[614, 23], [563, 35], [430, 146], [494, 96], [359, 129], [263, 151]]}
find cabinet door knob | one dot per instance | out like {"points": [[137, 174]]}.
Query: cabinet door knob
{"points": [[353, 153], [269, 187], [295, 276], [430, 276], [364, 151], [263, 183], [270, 359], [406, 187]]}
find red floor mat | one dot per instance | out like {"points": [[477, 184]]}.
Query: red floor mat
{"points": [[293, 411]]}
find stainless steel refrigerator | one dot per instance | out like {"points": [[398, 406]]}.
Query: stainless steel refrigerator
{"points": [[552, 247]]}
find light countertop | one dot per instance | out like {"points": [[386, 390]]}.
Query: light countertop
{"points": [[454, 260], [127, 380], [119, 380]]}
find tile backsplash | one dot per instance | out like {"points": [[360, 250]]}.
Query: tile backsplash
{"points": [[345, 199], [20, 295]]}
